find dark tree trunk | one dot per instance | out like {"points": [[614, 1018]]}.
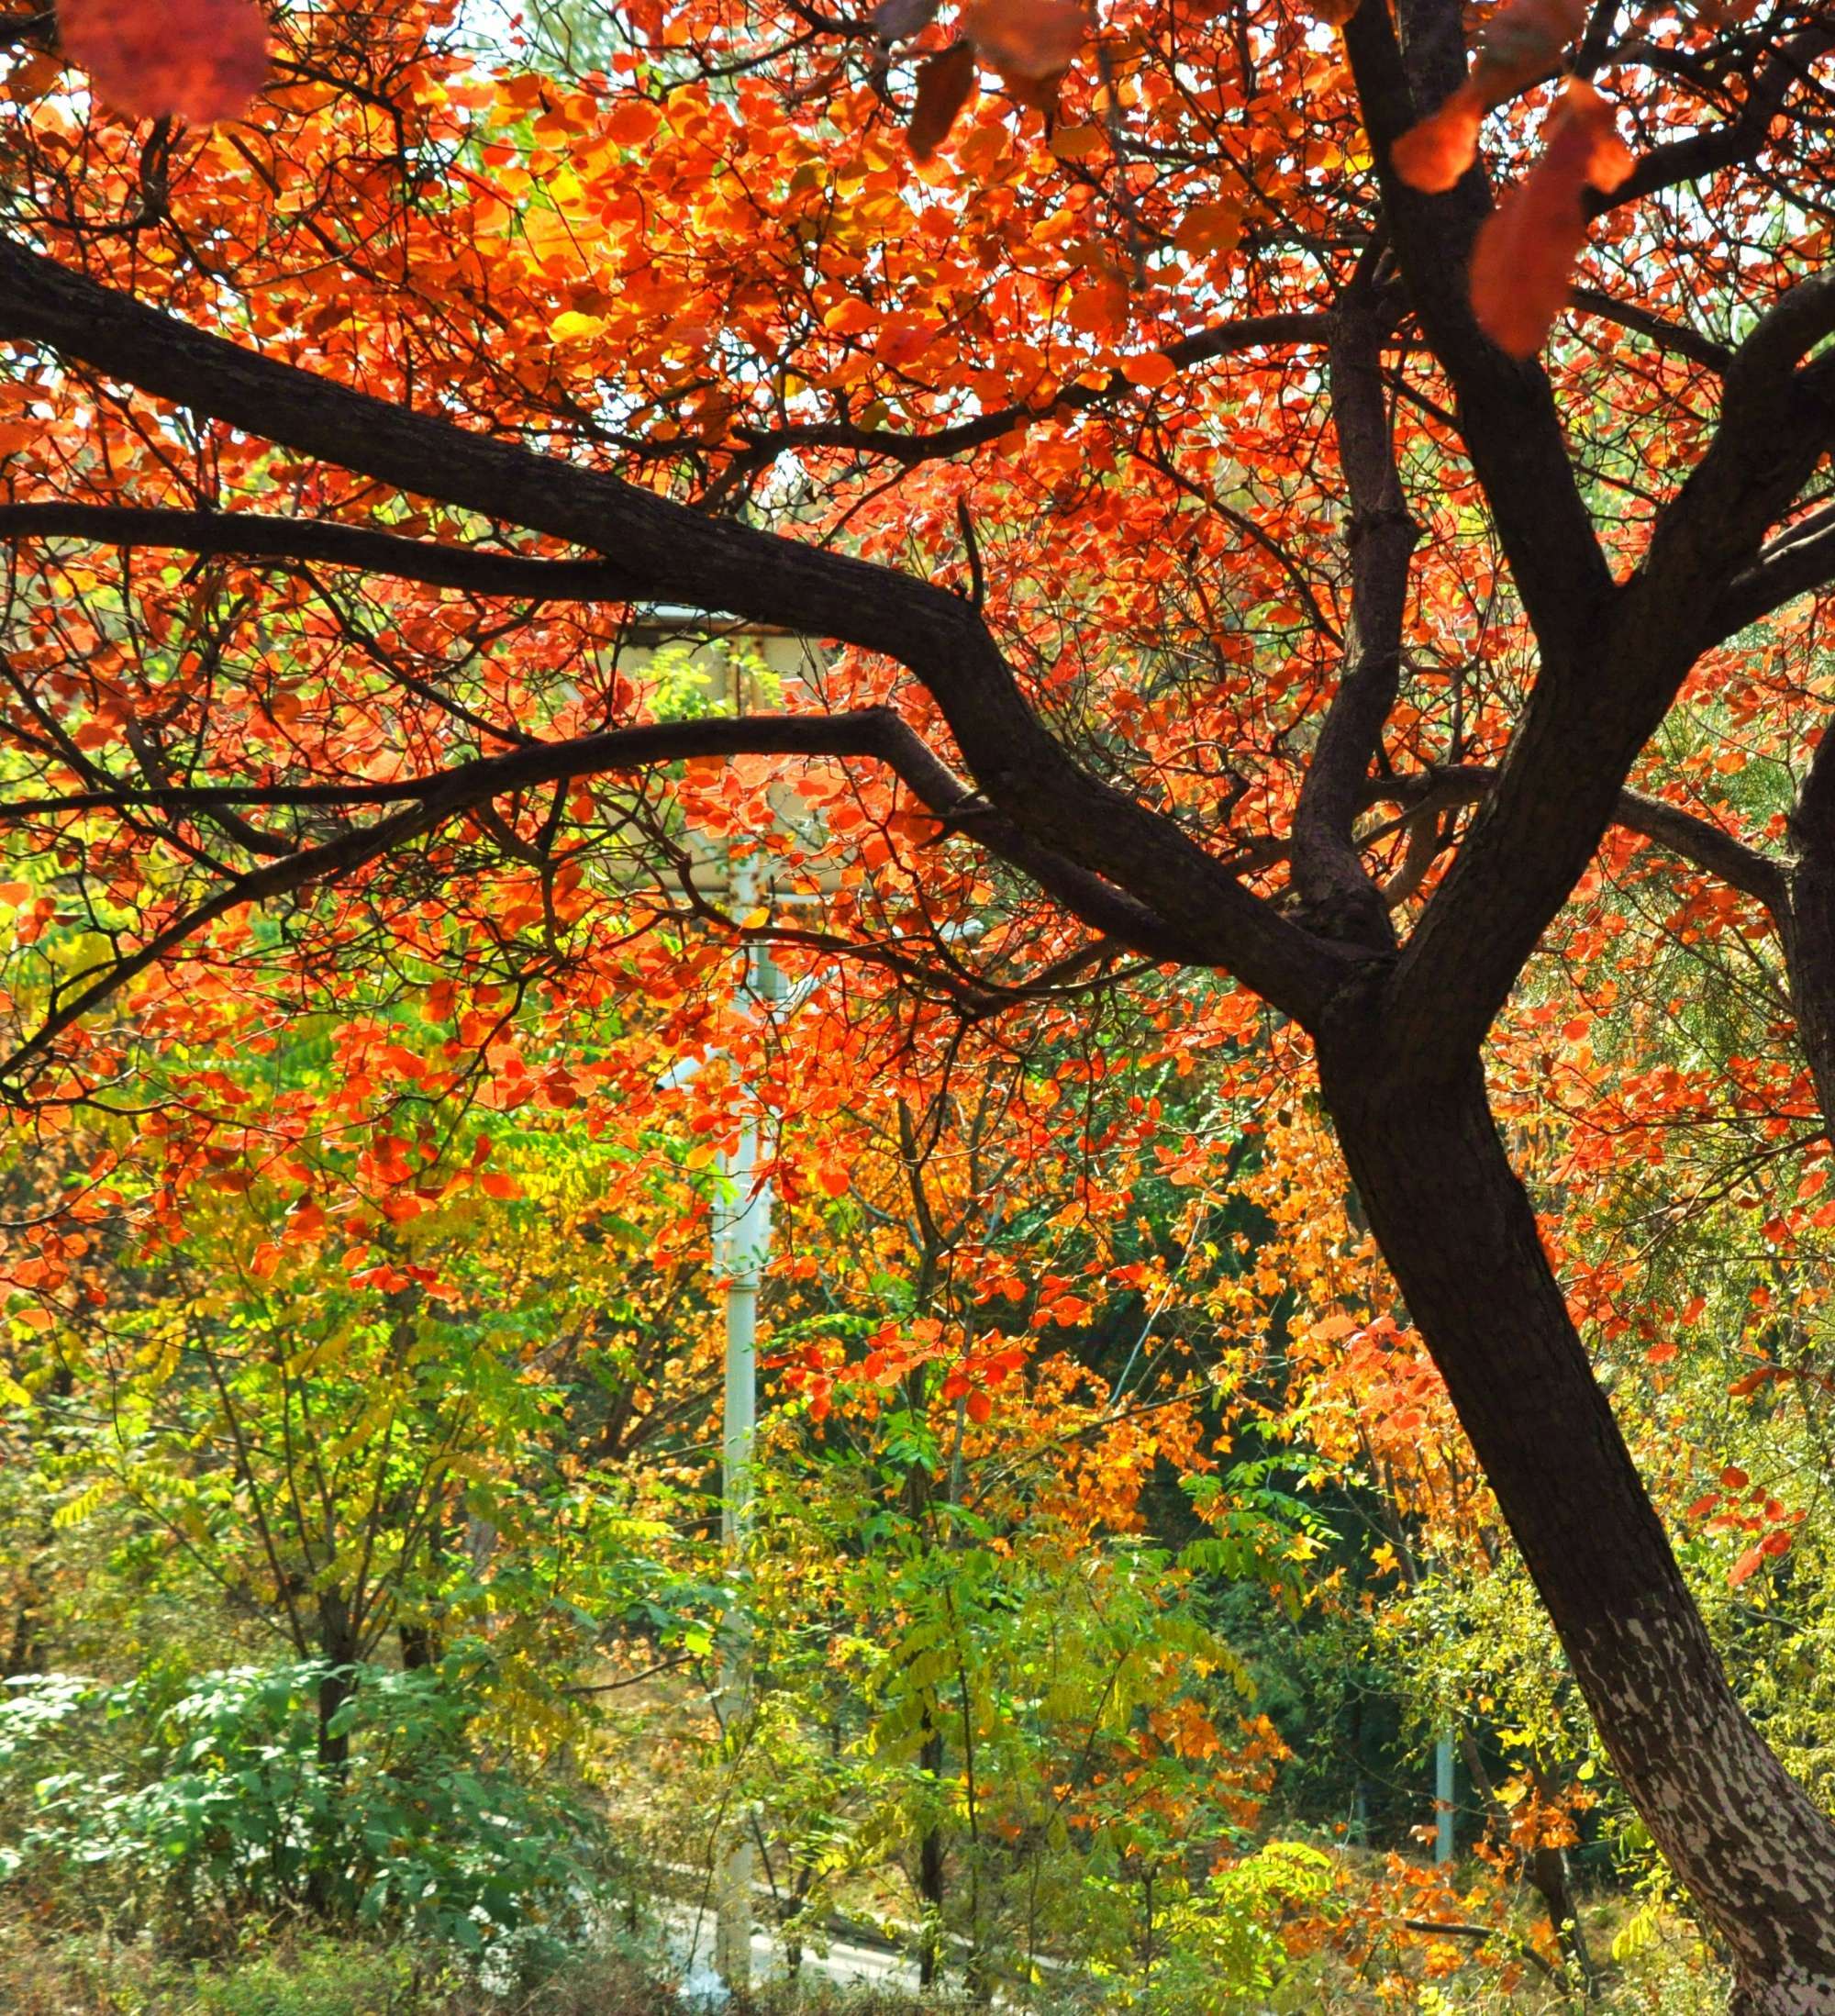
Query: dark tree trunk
{"points": [[336, 1646], [1461, 1238], [419, 1646], [1808, 923]]}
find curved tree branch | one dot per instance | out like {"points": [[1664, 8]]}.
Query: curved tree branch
{"points": [[667, 553], [252, 535]]}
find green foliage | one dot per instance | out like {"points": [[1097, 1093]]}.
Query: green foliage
{"points": [[1219, 1946], [242, 1799]]}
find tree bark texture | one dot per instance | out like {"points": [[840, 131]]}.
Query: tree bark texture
{"points": [[1461, 1238]]}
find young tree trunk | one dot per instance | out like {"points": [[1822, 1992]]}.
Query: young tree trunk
{"points": [[930, 1873], [337, 1645], [1461, 1238]]}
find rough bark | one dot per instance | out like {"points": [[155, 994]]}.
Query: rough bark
{"points": [[1460, 1235]]}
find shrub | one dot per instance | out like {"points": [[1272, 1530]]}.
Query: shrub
{"points": [[191, 1815]]}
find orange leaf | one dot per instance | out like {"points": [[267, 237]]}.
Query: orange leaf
{"points": [[945, 84], [1027, 40], [1150, 369], [1523, 260], [199, 59], [1436, 153], [633, 121], [1745, 1565]]}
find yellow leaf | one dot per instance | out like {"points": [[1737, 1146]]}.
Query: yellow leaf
{"points": [[574, 326]]}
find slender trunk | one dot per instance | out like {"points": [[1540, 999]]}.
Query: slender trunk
{"points": [[337, 1685], [930, 1871], [1459, 1234], [1544, 1870], [419, 1646], [25, 1650]]}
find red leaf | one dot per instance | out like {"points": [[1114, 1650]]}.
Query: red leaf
{"points": [[945, 84], [1523, 260], [1746, 1565], [979, 1406], [1027, 40], [198, 59]]}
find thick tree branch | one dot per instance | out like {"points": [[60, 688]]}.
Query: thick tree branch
{"points": [[1798, 562], [1339, 896], [1587, 716], [1736, 140], [1506, 410], [1685, 834], [670, 554], [249, 535]]}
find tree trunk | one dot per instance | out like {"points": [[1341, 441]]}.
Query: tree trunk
{"points": [[1809, 954], [337, 1645], [1461, 1238], [930, 1872], [419, 1646]]}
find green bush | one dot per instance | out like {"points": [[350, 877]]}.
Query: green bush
{"points": [[194, 1815]]}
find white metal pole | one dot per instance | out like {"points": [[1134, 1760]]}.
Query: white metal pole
{"points": [[742, 1249]]}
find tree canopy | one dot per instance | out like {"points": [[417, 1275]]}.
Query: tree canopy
{"points": [[1296, 513]]}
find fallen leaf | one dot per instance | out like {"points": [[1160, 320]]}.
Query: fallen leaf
{"points": [[1522, 45], [898, 19], [203, 61], [1433, 155]]}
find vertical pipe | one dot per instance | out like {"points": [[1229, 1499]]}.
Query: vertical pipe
{"points": [[1443, 1842], [742, 1249]]}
